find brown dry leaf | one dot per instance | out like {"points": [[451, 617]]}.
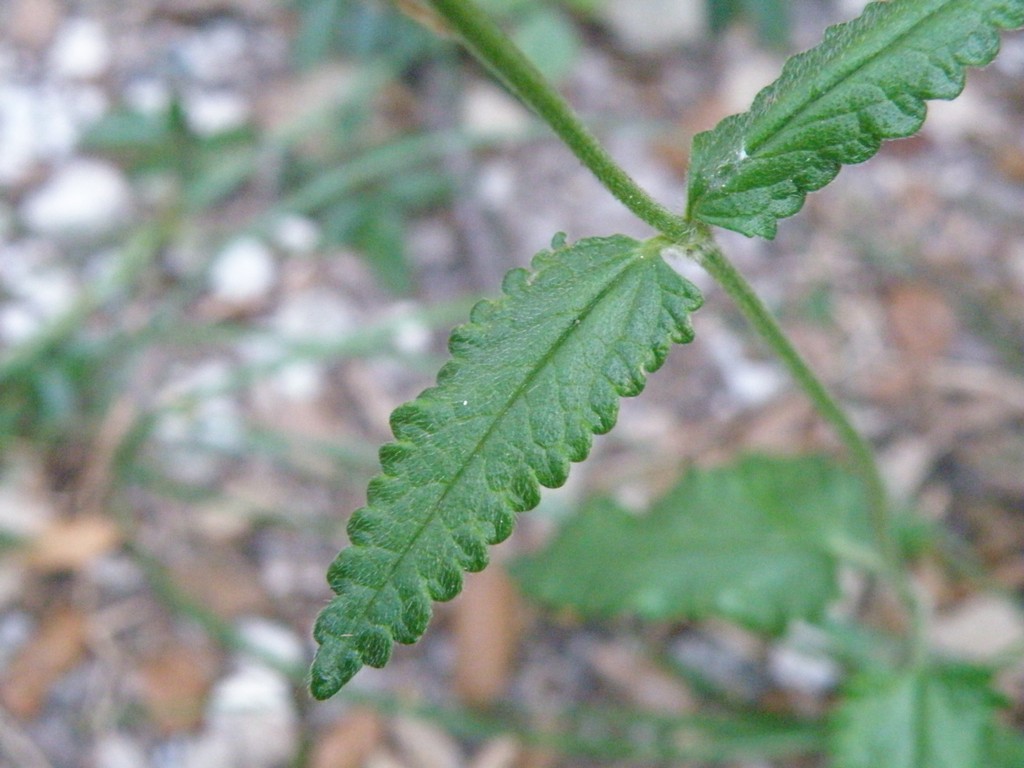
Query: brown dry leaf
{"points": [[640, 679], [997, 530], [922, 322], [1010, 574], [887, 384], [502, 752], [1010, 161], [996, 460], [286, 102], [222, 581], [174, 684], [349, 742], [70, 545], [787, 424], [58, 645], [97, 475], [32, 23], [487, 628], [538, 757], [979, 381]]}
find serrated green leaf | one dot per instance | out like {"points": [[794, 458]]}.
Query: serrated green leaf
{"points": [[935, 717], [836, 103], [534, 376], [753, 542]]}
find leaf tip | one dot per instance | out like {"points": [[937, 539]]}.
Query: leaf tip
{"points": [[334, 665]]}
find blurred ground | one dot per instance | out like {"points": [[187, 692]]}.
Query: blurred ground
{"points": [[233, 235]]}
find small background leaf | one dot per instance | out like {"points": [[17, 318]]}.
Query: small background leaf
{"points": [[771, 18], [752, 542], [937, 717], [1007, 749]]}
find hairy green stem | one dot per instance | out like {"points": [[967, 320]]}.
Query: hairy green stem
{"points": [[490, 45], [707, 253], [750, 304]]}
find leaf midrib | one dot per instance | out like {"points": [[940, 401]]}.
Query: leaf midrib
{"points": [[571, 328], [792, 116]]}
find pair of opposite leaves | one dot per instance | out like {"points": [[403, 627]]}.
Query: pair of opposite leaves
{"points": [[536, 373]]}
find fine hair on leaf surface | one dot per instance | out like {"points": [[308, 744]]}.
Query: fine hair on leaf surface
{"points": [[533, 376], [834, 105]]}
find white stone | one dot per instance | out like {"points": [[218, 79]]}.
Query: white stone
{"points": [[957, 120], [294, 380], [210, 113], [979, 629], [412, 337], [251, 721], [86, 104], [215, 53], [197, 412], [500, 752], [115, 750], [301, 381], [489, 110], [424, 745], [804, 672], [851, 8], [296, 234], [81, 50], [16, 627], [18, 144], [1010, 60], [149, 96], [656, 26], [85, 198], [245, 271], [751, 382], [496, 184], [680, 261], [220, 424], [251, 688], [18, 323], [266, 640], [314, 314], [745, 75], [25, 507], [215, 421], [49, 291], [36, 124]]}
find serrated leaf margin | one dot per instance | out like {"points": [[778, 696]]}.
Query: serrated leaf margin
{"points": [[734, 185], [342, 652]]}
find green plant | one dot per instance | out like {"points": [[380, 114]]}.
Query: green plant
{"points": [[537, 372]]}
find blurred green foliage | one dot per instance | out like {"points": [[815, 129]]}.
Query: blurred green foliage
{"points": [[771, 18]]}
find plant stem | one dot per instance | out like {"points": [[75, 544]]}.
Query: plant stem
{"points": [[489, 44], [750, 304], [708, 255]]}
